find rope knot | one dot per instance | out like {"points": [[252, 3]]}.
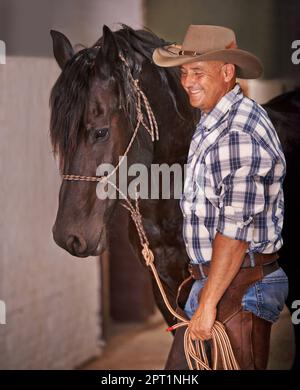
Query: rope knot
{"points": [[140, 116], [103, 179], [136, 84], [147, 254]]}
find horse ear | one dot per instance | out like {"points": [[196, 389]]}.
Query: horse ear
{"points": [[109, 52], [62, 48]]}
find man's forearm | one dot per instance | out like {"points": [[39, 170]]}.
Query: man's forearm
{"points": [[227, 257]]}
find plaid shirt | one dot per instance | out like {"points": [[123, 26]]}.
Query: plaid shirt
{"points": [[234, 178]]}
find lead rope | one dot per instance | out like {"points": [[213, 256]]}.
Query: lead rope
{"points": [[194, 349]]}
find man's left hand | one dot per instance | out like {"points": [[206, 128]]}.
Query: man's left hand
{"points": [[202, 322]]}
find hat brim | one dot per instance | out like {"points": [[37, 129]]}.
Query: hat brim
{"points": [[248, 65]]}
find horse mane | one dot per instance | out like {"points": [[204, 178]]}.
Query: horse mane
{"points": [[70, 94]]}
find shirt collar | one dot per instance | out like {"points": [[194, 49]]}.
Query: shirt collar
{"points": [[207, 121]]}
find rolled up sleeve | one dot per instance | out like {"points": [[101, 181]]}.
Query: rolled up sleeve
{"points": [[239, 167]]}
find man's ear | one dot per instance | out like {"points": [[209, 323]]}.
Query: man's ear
{"points": [[62, 48], [229, 72]]}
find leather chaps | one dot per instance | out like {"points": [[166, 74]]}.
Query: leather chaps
{"points": [[249, 335]]}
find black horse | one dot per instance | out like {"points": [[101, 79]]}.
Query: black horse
{"points": [[93, 114], [284, 112]]}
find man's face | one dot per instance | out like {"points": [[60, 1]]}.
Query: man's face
{"points": [[204, 82]]}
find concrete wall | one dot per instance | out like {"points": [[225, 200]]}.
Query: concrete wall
{"points": [[52, 300], [25, 24]]}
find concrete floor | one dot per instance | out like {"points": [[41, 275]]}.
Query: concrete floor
{"points": [[145, 346]]}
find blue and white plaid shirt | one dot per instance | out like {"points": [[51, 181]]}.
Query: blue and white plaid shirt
{"points": [[234, 179]]}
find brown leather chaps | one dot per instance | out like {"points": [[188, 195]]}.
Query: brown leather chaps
{"points": [[249, 335]]}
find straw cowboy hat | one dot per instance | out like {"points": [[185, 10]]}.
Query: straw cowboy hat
{"points": [[209, 43]]}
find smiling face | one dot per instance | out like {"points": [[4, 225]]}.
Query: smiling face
{"points": [[206, 82]]}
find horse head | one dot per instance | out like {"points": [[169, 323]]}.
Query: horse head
{"points": [[94, 113]]}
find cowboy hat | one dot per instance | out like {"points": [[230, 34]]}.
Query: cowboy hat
{"points": [[209, 43]]}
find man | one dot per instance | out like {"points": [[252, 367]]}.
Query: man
{"points": [[233, 198]]}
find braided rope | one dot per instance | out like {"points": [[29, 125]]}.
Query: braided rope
{"points": [[82, 178]]}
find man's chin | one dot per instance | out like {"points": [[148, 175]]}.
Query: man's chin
{"points": [[195, 103]]}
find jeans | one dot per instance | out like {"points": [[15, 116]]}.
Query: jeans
{"points": [[264, 298]]}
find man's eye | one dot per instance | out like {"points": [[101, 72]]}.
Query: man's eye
{"points": [[101, 133]]}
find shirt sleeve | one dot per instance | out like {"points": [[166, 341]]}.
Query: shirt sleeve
{"points": [[239, 168]]}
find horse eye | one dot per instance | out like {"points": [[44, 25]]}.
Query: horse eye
{"points": [[101, 133]]}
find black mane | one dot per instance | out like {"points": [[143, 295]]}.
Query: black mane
{"points": [[70, 94]]}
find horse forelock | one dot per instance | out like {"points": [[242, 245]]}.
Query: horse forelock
{"points": [[68, 102]]}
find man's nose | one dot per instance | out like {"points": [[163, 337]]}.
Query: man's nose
{"points": [[188, 80]]}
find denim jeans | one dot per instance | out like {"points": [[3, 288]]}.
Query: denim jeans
{"points": [[265, 298]]}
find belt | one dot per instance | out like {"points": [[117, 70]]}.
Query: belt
{"points": [[267, 262], [259, 259]]}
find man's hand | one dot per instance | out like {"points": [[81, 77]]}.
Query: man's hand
{"points": [[202, 322], [227, 257]]}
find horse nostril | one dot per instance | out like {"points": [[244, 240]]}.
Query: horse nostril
{"points": [[76, 245]]}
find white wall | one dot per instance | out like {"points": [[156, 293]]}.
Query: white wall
{"points": [[85, 21], [264, 90], [52, 299]]}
